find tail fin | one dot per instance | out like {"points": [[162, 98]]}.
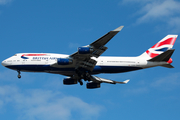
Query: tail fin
{"points": [[162, 46]]}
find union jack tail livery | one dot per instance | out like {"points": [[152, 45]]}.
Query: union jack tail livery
{"points": [[163, 45]]}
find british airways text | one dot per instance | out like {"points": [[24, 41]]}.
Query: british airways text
{"points": [[44, 58]]}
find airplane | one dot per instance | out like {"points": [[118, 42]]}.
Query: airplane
{"points": [[86, 62]]}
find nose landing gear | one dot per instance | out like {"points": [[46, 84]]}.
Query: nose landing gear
{"points": [[19, 76]]}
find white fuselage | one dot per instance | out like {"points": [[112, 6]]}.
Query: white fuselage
{"points": [[36, 62]]}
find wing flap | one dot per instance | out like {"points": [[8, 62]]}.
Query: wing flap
{"points": [[88, 65]]}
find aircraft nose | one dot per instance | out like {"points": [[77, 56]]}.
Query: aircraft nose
{"points": [[4, 63]]}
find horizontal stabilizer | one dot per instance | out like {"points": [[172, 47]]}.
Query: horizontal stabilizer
{"points": [[167, 66], [164, 56]]}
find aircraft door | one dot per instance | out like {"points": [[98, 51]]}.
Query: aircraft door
{"points": [[137, 63], [101, 62]]}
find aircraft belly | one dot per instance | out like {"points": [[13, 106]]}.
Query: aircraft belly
{"points": [[114, 69], [43, 68]]}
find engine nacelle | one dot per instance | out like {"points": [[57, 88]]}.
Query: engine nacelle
{"points": [[93, 85], [64, 61], [69, 81], [85, 50]]}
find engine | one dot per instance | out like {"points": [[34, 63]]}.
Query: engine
{"points": [[93, 85], [64, 61], [69, 81], [85, 50]]}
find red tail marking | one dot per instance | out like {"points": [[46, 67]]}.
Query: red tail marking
{"points": [[152, 55], [169, 41]]}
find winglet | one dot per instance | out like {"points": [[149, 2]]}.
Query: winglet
{"points": [[124, 82], [119, 28]]}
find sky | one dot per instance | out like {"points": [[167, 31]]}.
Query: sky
{"points": [[56, 26]]}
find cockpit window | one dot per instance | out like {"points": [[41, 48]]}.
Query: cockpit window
{"points": [[15, 55]]}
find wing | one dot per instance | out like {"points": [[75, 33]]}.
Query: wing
{"points": [[95, 82], [83, 56], [102, 80]]}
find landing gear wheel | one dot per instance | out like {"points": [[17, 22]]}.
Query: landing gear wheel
{"points": [[19, 76], [81, 83]]}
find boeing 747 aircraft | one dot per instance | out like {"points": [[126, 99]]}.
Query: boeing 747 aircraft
{"points": [[86, 62]]}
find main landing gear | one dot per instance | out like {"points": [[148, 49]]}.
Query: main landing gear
{"points": [[19, 76], [81, 74], [80, 82]]}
